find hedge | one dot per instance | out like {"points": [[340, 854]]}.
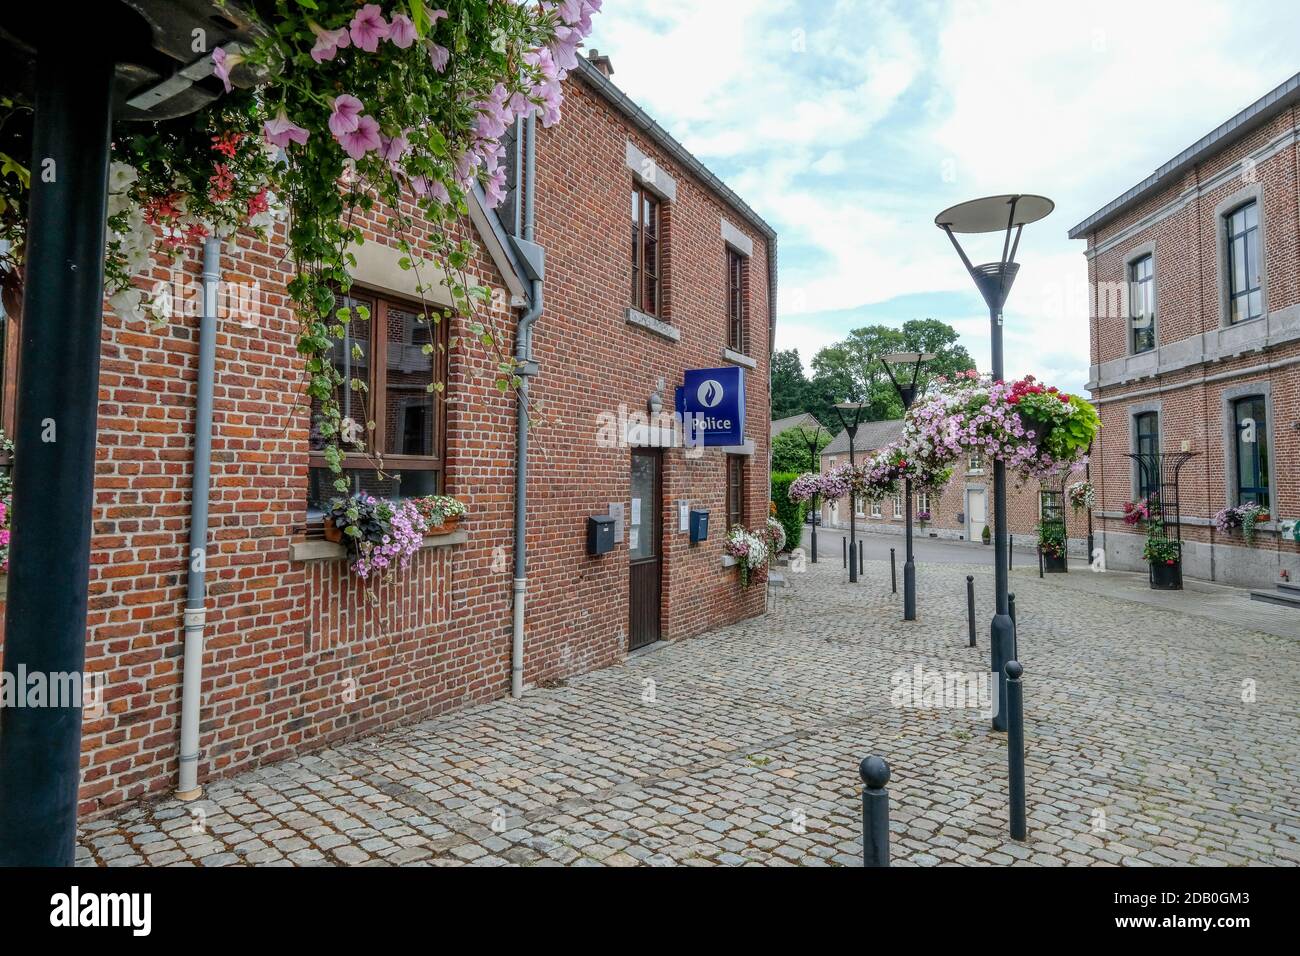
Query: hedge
{"points": [[789, 513]]}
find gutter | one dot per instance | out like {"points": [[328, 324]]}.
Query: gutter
{"points": [[533, 260], [196, 584]]}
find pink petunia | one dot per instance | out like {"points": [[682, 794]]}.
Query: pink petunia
{"points": [[328, 42], [393, 149], [345, 115], [438, 56], [221, 66], [282, 131], [368, 27], [401, 31], [361, 140]]}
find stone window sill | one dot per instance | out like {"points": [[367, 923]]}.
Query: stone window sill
{"points": [[651, 324], [321, 550], [739, 358]]}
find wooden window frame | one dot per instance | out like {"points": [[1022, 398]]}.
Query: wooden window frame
{"points": [[735, 484], [1260, 457], [1147, 444], [1142, 293], [736, 311], [1252, 247], [377, 352], [642, 196]]}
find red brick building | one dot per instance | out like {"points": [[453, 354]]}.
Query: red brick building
{"points": [[299, 653], [1195, 340], [960, 510]]}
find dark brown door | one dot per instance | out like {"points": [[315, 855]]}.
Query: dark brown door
{"points": [[645, 547]]}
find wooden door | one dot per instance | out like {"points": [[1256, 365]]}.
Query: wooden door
{"points": [[645, 547]]}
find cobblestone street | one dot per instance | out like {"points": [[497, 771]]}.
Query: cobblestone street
{"points": [[1145, 745]]}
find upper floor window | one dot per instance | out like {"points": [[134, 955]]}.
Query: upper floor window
{"points": [[923, 502], [384, 352], [1142, 303], [735, 301], [976, 461], [1245, 295], [1249, 416], [647, 265], [735, 490], [1146, 430]]}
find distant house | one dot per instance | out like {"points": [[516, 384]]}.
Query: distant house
{"points": [[959, 510], [806, 420]]}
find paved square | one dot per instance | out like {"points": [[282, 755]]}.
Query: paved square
{"points": [[1153, 737]]}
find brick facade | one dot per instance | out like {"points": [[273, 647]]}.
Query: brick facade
{"points": [[299, 653], [1202, 361]]}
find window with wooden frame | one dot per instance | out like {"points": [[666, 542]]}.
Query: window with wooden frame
{"points": [[1142, 304], [647, 252], [396, 355], [1146, 442], [1245, 292], [735, 490], [735, 301], [1250, 421]]}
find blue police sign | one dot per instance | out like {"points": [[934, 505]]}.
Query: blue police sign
{"points": [[711, 402]]}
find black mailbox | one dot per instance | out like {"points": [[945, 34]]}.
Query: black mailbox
{"points": [[600, 534], [699, 526]]}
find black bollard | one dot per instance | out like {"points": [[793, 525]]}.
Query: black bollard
{"points": [[860, 565], [893, 572], [1011, 549], [1015, 628], [1011, 606], [970, 606], [875, 812], [1040, 560], [844, 550], [1016, 749]]}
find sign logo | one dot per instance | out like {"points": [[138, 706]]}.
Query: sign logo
{"points": [[709, 393]]}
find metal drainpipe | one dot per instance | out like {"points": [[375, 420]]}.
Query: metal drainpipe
{"points": [[196, 591], [523, 349]]}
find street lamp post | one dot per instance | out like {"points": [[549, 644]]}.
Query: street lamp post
{"points": [[994, 280], [812, 456], [907, 393], [852, 429]]}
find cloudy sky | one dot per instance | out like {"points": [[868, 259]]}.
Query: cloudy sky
{"points": [[848, 124]]}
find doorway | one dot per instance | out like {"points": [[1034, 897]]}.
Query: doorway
{"points": [[977, 512], [645, 547]]}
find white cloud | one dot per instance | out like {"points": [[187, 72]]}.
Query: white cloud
{"points": [[849, 125]]}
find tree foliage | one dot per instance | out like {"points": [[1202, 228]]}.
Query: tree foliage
{"points": [[790, 448]]}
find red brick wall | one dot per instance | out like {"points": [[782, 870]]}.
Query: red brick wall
{"points": [[300, 654], [1188, 277]]}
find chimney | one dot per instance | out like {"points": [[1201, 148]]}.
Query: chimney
{"points": [[601, 63]]}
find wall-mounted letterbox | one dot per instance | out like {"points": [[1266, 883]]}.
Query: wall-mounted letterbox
{"points": [[600, 534], [699, 526]]}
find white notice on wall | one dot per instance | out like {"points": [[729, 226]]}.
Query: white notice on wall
{"points": [[683, 516], [633, 538], [636, 511]]}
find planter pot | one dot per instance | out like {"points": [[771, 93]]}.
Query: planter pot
{"points": [[1055, 565], [333, 532], [1167, 577], [447, 527]]}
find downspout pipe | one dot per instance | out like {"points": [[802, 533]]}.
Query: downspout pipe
{"points": [[523, 353], [196, 584]]}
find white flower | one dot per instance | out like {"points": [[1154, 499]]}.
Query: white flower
{"points": [[126, 303], [120, 177]]}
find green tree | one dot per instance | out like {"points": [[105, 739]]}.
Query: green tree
{"points": [[789, 385], [852, 370], [789, 513], [790, 449]]}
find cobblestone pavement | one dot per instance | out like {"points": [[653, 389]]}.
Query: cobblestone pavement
{"points": [[1153, 737]]}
